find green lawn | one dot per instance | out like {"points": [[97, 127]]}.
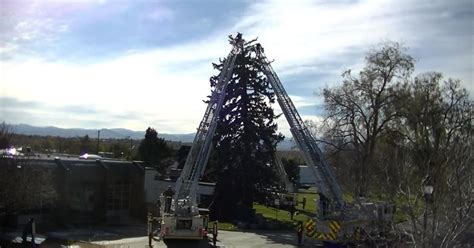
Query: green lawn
{"points": [[225, 226], [399, 216], [310, 201], [303, 214], [279, 215], [283, 216]]}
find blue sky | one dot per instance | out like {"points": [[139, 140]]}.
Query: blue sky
{"points": [[134, 64]]}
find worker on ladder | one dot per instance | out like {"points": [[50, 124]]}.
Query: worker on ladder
{"points": [[29, 230], [168, 194], [299, 232], [323, 206]]}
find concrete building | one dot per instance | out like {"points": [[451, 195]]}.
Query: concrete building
{"points": [[91, 191], [101, 190]]}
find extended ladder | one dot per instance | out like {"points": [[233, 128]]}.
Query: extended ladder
{"points": [[196, 161], [198, 156], [326, 180]]}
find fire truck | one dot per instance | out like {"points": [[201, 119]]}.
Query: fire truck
{"points": [[335, 220]]}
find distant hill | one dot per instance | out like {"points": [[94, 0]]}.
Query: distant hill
{"points": [[113, 133], [105, 133]]}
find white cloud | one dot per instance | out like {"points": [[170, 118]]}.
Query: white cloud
{"points": [[307, 32], [317, 33], [8, 48], [165, 86]]}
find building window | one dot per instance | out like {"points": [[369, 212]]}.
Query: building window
{"points": [[118, 196], [81, 197]]}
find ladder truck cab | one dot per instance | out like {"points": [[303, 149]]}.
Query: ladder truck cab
{"points": [[186, 222]]}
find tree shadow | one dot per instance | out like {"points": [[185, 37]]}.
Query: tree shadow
{"points": [[286, 238], [187, 243], [306, 212], [289, 238]]}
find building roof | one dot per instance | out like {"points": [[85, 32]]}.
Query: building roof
{"points": [[76, 163]]}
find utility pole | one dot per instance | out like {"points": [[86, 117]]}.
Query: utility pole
{"points": [[130, 148], [98, 141]]}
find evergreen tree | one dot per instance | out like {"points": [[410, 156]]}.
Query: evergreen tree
{"points": [[292, 169], [153, 150], [245, 138], [182, 155]]}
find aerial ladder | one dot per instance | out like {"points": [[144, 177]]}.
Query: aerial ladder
{"points": [[325, 178], [335, 220], [183, 219]]}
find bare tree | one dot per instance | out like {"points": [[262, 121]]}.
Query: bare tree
{"points": [[395, 134], [24, 185], [436, 150], [359, 110], [5, 135]]}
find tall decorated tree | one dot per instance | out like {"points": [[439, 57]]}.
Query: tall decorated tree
{"points": [[246, 137]]}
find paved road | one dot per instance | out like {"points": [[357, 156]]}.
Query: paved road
{"points": [[226, 239], [142, 242], [116, 238], [230, 239], [110, 237]]}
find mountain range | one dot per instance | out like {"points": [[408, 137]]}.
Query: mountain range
{"points": [[111, 133], [105, 133]]}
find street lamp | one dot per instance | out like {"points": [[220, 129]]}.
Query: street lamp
{"points": [[427, 192]]}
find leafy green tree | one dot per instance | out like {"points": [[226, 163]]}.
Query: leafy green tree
{"points": [[245, 138], [120, 148], [153, 150], [292, 169], [182, 155]]}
